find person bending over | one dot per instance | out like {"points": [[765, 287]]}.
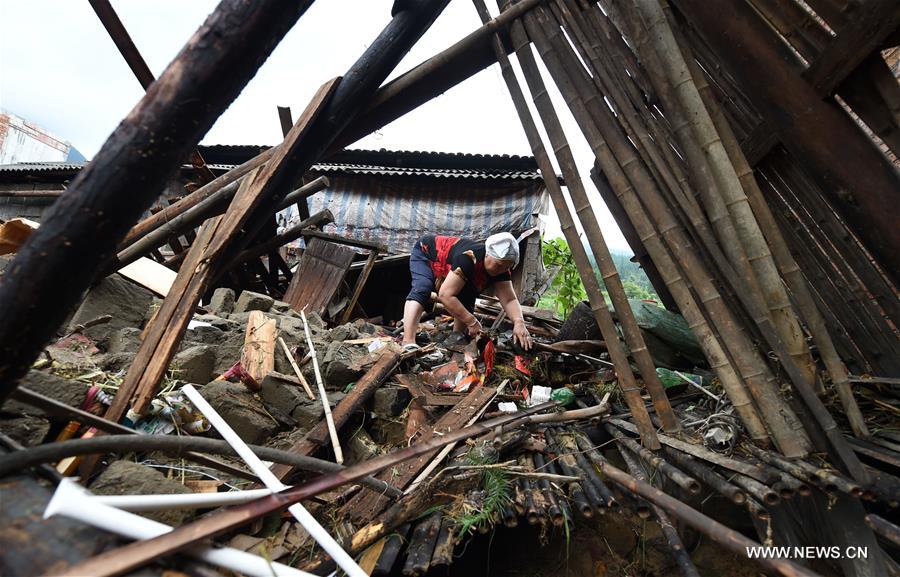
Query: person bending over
{"points": [[459, 269]]}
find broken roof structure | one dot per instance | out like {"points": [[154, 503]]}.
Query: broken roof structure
{"points": [[748, 151]]}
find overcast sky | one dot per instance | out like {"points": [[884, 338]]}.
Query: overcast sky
{"points": [[59, 69]]}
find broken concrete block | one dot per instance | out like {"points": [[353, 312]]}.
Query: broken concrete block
{"points": [[127, 478], [281, 307], [390, 402], [218, 322], [345, 332], [114, 362], [205, 335], [240, 409], [338, 365], [124, 340], [251, 301], [281, 393], [315, 320], [228, 348], [364, 328], [195, 364], [360, 448], [26, 429], [125, 301], [222, 301], [311, 413], [63, 390]]}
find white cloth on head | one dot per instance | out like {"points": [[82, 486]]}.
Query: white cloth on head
{"points": [[502, 246]]}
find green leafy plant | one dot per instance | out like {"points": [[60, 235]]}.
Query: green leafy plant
{"points": [[495, 495], [566, 290]]}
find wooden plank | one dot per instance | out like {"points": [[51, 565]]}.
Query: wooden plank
{"points": [[365, 506], [868, 27], [319, 276], [258, 356], [360, 283], [150, 275]]}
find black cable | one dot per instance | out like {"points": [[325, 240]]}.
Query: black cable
{"points": [[172, 446]]}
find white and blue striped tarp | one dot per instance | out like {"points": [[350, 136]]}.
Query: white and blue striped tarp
{"points": [[398, 210]]}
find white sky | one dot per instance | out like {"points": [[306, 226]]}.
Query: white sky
{"points": [[59, 69]]}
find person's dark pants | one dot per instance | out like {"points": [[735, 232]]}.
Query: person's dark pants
{"points": [[422, 277], [423, 282]]}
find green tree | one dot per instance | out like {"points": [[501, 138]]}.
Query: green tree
{"points": [[566, 290]]}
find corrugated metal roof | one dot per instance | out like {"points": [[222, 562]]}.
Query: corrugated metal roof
{"points": [[42, 167], [402, 163]]}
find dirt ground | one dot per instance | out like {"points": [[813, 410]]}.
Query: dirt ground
{"points": [[610, 545]]}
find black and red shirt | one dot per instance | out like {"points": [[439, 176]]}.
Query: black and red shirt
{"points": [[462, 256]]}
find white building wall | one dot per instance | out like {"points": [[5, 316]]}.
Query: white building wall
{"points": [[23, 141]]}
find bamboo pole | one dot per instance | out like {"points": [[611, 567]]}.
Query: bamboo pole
{"points": [[627, 381], [121, 560], [782, 424], [588, 219], [682, 557], [297, 371], [783, 258], [707, 475], [860, 316], [821, 420], [326, 405], [728, 184], [719, 533], [668, 171], [654, 461]]}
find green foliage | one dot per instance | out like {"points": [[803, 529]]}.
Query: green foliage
{"points": [[496, 494], [566, 290]]}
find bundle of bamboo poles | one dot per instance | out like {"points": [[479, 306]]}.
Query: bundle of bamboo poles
{"points": [[679, 175]]}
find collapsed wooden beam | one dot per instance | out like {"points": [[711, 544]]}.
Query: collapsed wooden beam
{"points": [[858, 181], [433, 77], [135, 61], [53, 269]]}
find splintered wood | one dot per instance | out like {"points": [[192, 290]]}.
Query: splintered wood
{"points": [[258, 357], [365, 506]]}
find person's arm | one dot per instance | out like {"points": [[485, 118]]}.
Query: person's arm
{"points": [[447, 296], [505, 292]]}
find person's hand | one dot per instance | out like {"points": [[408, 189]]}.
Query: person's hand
{"points": [[474, 328], [521, 335]]}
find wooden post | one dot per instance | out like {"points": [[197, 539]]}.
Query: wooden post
{"points": [[203, 261], [627, 381], [360, 283], [53, 269]]}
